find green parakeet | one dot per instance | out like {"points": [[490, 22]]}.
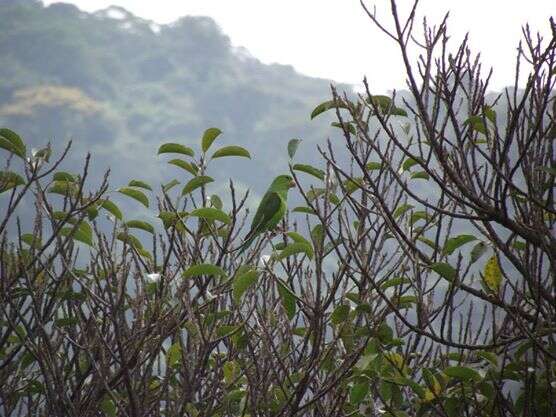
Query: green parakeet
{"points": [[271, 210]]}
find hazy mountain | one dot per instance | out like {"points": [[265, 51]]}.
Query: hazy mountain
{"points": [[119, 86]]}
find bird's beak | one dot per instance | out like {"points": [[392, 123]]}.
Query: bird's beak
{"points": [[292, 183]]}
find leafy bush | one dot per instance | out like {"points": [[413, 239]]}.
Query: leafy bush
{"points": [[417, 280]]}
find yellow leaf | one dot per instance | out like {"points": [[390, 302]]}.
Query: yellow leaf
{"points": [[429, 396], [436, 388], [397, 361], [492, 274]]}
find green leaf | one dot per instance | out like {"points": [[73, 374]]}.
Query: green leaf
{"points": [[349, 126], [92, 212], [112, 209], [195, 183], [453, 407], [296, 237], [145, 253], [216, 202], [385, 333], [394, 282], [72, 295], [63, 216], [306, 210], [27, 359], [173, 356], [490, 114], [288, 299], [227, 330], [408, 163], [340, 314], [203, 269], [167, 187], [231, 151], [385, 105], [242, 283], [300, 331], [175, 148], [401, 210], [19, 334], [135, 194], [140, 184], [519, 245], [64, 176], [295, 248], [64, 188], [418, 215], [404, 301], [430, 243], [169, 219], [32, 240], [445, 270], [130, 240], [478, 250], [462, 373], [455, 242], [420, 175], [208, 137], [82, 233], [138, 224], [476, 123], [293, 144], [280, 246], [308, 169], [358, 392], [234, 396], [188, 166], [12, 142], [372, 166], [492, 274], [317, 235], [210, 213], [108, 407], [9, 180], [231, 372], [366, 360], [327, 105], [315, 193], [491, 357], [66, 321], [353, 184], [432, 383], [384, 102]]}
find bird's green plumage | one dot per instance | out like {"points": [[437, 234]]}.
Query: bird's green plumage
{"points": [[271, 210]]}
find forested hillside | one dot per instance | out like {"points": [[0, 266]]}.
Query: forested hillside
{"points": [[119, 86]]}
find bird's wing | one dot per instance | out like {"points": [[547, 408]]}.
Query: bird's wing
{"points": [[269, 206]]}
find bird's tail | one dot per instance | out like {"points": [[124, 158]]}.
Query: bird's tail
{"points": [[245, 245]]}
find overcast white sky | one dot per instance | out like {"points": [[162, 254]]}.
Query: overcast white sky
{"points": [[334, 39]]}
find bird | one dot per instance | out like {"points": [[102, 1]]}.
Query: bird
{"points": [[271, 210]]}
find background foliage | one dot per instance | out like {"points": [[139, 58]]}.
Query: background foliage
{"points": [[147, 84]]}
